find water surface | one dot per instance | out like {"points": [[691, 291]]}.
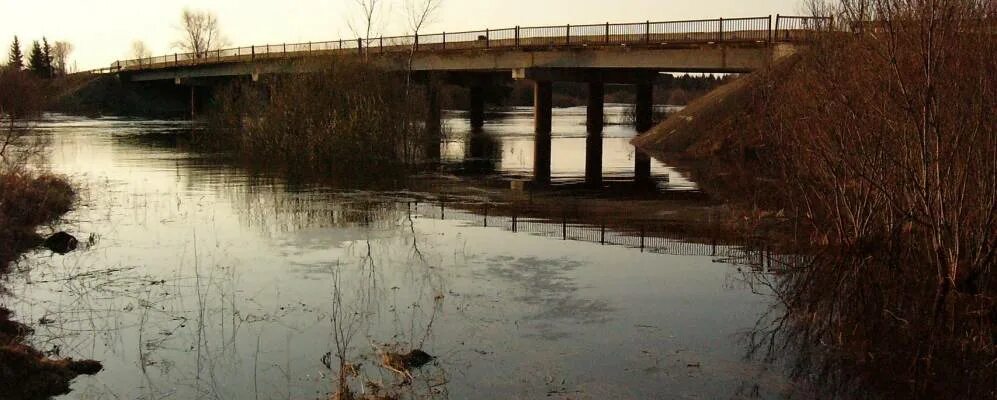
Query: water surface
{"points": [[198, 280]]}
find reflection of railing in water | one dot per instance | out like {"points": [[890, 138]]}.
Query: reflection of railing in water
{"points": [[649, 237]]}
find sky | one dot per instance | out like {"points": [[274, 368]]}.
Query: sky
{"points": [[102, 31]]}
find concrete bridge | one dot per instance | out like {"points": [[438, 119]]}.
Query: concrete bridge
{"points": [[632, 53]]}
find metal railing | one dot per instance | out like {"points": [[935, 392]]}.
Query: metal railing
{"points": [[757, 30]]}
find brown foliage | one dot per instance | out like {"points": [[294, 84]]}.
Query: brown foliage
{"points": [[879, 141], [350, 122], [883, 144]]}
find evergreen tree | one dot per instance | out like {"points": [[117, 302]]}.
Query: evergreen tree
{"points": [[16, 57], [47, 59], [36, 60]]}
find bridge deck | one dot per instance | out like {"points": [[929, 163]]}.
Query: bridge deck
{"points": [[757, 32]]}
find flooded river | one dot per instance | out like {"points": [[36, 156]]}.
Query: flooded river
{"points": [[197, 280]]}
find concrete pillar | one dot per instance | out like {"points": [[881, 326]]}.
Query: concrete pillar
{"points": [[193, 102], [542, 113], [595, 118], [644, 107], [434, 131], [644, 110], [593, 142], [477, 107]]}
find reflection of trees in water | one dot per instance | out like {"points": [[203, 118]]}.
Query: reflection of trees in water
{"points": [[849, 341]]}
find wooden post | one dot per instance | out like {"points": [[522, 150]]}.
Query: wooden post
{"points": [[176, 59], [417, 41], [488, 38], [517, 35], [721, 30], [444, 40], [567, 34], [647, 32], [607, 32], [602, 239]]}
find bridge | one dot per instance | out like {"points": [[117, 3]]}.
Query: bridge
{"points": [[629, 53]]}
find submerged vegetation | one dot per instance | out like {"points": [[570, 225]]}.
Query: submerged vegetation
{"points": [[350, 121], [879, 144], [28, 198]]}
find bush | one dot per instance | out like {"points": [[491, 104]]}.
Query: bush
{"points": [[350, 121]]}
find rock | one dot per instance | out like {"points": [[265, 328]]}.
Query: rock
{"points": [[405, 362], [61, 243], [86, 367]]}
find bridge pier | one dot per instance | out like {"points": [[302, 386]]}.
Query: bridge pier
{"points": [[595, 119], [477, 107], [434, 125], [644, 115], [543, 102]]}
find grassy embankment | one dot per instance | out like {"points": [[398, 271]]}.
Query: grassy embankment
{"points": [[28, 199], [879, 146]]}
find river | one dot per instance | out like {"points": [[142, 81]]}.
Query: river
{"points": [[199, 280]]}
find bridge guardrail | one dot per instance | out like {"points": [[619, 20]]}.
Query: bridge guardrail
{"points": [[764, 30]]}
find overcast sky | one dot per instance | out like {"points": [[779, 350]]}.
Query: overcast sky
{"points": [[103, 30]]}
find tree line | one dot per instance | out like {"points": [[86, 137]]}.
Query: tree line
{"points": [[44, 60]]}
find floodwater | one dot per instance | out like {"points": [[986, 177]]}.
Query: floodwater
{"points": [[196, 280]]}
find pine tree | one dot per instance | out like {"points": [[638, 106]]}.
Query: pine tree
{"points": [[47, 59], [16, 57], [36, 60]]}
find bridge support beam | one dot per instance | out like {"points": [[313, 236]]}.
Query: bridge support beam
{"points": [[477, 107], [434, 125], [543, 103], [593, 143], [644, 115]]}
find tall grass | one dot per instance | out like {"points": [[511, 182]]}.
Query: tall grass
{"points": [[349, 121]]}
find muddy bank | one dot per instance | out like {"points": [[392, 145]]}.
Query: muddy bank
{"points": [[27, 202]]}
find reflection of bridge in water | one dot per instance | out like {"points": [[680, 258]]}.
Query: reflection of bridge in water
{"points": [[648, 236]]}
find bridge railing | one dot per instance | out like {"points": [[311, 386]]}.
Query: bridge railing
{"points": [[759, 30]]}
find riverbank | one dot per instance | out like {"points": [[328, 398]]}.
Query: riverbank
{"points": [[27, 201], [889, 180]]}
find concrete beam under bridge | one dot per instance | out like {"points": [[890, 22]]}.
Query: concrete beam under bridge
{"points": [[629, 76]]}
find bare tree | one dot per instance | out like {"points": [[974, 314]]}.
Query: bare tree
{"points": [[419, 13], [140, 50], [370, 17], [201, 33], [60, 56]]}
